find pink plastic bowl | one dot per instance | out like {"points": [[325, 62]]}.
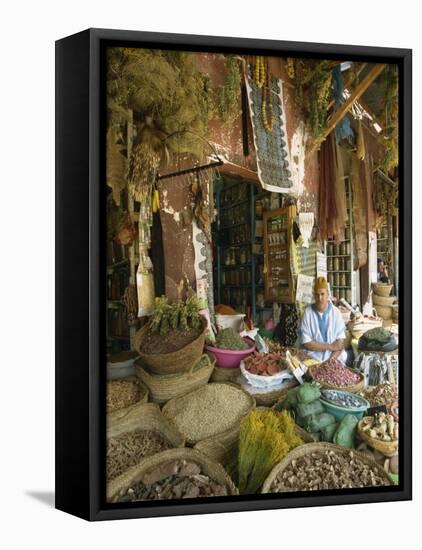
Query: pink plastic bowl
{"points": [[227, 358]]}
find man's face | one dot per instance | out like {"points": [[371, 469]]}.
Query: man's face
{"points": [[381, 267], [321, 298]]}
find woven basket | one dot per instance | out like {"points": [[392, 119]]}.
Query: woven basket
{"points": [[143, 416], [181, 360], [143, 394], [174, 406], [387, 448], [354, 388], [222, 448], [303, 450], [136, 473], [224, 374], [383, 300], [385, 312], [162, 388], [382, 289], [269, 399]]}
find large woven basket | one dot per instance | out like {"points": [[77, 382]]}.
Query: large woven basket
{"points": [[133, 475], [382, 289], [309, 448], [385, 312], [143, 416], [174, 406], [221, 448], [387, 448], [354, 388], [224, 374], [163, 387], [383, 300], [181, 360]]}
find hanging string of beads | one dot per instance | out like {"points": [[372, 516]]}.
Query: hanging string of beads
{"points": [[260, 71], [267, 104]]}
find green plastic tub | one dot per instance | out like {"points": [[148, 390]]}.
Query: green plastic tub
{"points": [[340, 411]]}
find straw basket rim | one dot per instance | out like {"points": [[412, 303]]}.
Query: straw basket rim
{"points": [[385, 312], [387, 448], [172, 403], [134, 474], [163, 387], [308, 448], [383, 300], [382, 289]]}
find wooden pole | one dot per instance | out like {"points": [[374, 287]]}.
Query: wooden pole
{"points": [[356, 94]]}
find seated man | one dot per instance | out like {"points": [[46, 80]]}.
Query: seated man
{"points": [[322, 328]]}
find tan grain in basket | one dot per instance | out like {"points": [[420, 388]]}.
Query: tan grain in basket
{"points": [[196, 415]]}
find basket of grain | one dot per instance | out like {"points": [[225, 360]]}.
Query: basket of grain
{"points": [[163, 387], [179, 360], [382, 289], [209, 411], [175, 473], [322, 466], [124, 393], [136, 434]]}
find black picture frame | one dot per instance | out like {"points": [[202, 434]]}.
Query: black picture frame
{"points": [[80, 263]]}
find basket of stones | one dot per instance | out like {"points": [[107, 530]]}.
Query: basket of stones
{"points": [[209, 411], [173, 474], [324, 466], [124, 393], [142, 432]]}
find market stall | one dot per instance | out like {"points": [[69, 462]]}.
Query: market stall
{"points": [[252, 346]]}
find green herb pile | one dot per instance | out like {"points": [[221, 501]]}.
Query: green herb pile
{"points": [[229, 339]]}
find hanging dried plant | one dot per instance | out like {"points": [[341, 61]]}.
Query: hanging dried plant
{"points": [[391, 156]]}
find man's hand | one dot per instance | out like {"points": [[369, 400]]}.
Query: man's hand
{"points": [[338, 345]]}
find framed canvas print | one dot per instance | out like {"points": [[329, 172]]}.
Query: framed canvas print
{"points": [[233, 274]]}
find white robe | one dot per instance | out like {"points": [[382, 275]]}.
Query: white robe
{"points": [[309, 331]]}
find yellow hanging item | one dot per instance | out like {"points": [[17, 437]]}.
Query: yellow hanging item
{"points": [[156, 202]]}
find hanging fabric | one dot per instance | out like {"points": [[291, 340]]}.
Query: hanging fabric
{"points": [[269, 133]]}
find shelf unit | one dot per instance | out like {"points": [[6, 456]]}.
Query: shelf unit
{"points": [[343, 279], [236, 267]]}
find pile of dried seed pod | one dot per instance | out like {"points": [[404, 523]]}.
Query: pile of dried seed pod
{"points": [[383, 394], [327, 470], [176, 479], [128, 449], [122, 393]]}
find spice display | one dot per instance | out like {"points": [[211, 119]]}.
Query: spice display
{"points": [[381, 426], [122, 393], [178, 479], [212, 409], [265, 438], [265, 364], [127, 449], [377, 339], [335, 373], [382, 394], [342, 399], [327, 469], [230, 339]]}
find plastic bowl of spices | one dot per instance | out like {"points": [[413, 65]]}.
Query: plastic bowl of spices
{"points": [[231, 358], [339, 403]]}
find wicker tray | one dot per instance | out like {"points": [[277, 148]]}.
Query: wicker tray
{"points": [[162, 388], [175, 406], [387, 448], [178, 361], [303, 450], [136, 473]]}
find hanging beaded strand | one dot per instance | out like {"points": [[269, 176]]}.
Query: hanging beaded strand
{"points": [[267, 103]]}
